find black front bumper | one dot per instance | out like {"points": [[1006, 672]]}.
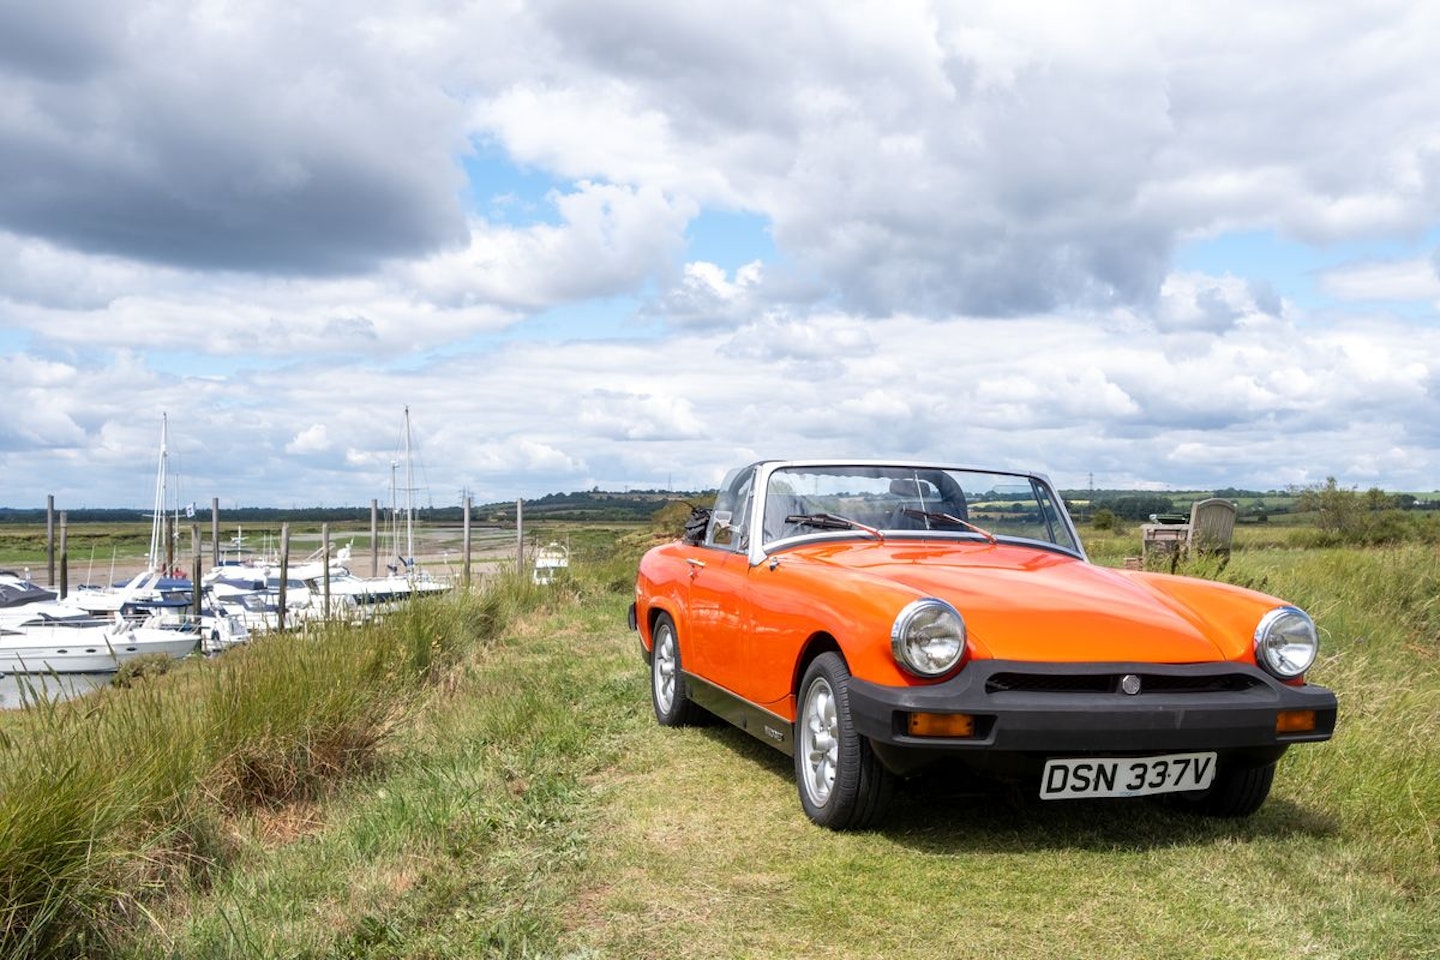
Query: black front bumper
{"points": [[1045, 709]]}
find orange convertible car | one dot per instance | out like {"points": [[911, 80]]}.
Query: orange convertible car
{"points": [[872, 619]]}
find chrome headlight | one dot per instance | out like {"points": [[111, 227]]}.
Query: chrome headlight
{"points": [[1286, 642], [928, 637]]}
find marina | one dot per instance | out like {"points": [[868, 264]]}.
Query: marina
{"points": [[150, 604]]}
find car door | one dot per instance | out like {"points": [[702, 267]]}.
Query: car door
{"points": [[717, 605]]}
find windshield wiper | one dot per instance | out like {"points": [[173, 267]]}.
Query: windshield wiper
{"points": [[950, 518], [832, 521]]}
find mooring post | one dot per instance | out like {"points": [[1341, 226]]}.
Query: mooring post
{"points": [[325, 559], [467, 544], [64, 559], [284, 574], [374, 538], [214, 531], [50, 541], [520, 537], [195, 570]]}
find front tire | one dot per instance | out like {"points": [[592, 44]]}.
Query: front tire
{"points": [[669, 693], [842, 784], [1236, 792]]}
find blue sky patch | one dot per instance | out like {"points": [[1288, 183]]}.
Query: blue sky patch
{"points": [[504, 193], [729, 239], [1294, 269]]}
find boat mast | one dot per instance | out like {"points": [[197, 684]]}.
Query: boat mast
{"points": [[394, 526], [409, 494], [157, 518]]}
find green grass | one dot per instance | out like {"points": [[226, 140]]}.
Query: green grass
{"points": [[112, 804], [518, 800], [705, 852], [87, 545]]}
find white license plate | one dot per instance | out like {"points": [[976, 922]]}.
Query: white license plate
{"points": [[1126, 776]]}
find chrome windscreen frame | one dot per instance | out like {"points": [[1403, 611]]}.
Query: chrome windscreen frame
{"points": [[757, 551]]}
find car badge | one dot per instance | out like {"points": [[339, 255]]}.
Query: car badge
{"points": [[1130, 683]]}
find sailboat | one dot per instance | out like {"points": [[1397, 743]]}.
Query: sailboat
{"points": [[406, 579], [96, 630], [155, 597], [250, 588]]}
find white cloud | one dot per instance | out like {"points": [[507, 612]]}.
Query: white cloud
{"points": [[639, 416], [313, 439], [1258, 406], [610, 241], [1417, 279], [705, 297], [1197, 303], [255, 217]]}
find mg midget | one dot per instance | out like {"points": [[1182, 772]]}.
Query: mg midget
{"points": [[874, 619]]}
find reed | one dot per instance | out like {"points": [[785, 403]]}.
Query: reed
{"points": [[111, 803], [1378, 611]]}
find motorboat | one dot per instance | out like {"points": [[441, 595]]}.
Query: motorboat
{"points": [[54, 637], [17, 590]]}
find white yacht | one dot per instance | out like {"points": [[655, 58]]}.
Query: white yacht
{"points": [[51, 636]]}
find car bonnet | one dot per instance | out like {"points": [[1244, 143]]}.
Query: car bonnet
{"points": [[1025, 603]]}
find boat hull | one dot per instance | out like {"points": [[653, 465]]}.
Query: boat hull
{"points": [[68, 649]]}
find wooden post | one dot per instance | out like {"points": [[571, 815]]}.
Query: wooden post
{"points": [[214, 531], [520, 537], [374, 538], [467, 543], [50, 541], [195, 571], [64, 559], [284, 574], [325, 559]]}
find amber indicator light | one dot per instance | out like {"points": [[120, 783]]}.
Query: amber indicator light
{"points": [[942, 725], [1294, 721]]}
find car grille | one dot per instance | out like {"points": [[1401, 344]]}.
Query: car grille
{"points": [[1110, 683]]}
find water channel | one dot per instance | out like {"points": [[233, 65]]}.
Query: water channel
{"points": [[20, 689]]}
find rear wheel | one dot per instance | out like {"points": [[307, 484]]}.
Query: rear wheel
{"points": [[1236, 792], [842, 783], [668, 693]]}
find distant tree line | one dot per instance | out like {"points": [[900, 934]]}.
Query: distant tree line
{"points": [[1374, 517], [1133, 506], [202, 515], [591, 505], [597, 505]]}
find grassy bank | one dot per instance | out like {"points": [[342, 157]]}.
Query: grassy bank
{"points": [[516, 799], [112, 805]]}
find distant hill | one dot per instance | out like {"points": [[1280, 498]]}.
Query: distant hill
{"points": [[590, 505], [640, 505]]}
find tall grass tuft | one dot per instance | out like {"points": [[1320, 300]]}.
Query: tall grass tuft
{"points": [[1378, 611], [86, 791], [110, 803]]}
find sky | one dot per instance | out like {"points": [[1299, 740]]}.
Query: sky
{"points": [[630, 245]]}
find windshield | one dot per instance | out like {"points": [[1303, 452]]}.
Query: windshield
{"points": [[904, 501]]}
